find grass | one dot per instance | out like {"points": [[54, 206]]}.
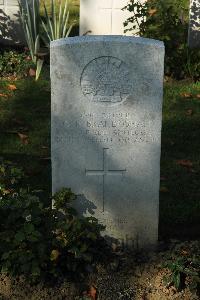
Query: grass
{"points": [[25, 129], [27, 111], [180, 205]]}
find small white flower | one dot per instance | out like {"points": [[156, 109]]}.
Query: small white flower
{"points": [[28, 218]]}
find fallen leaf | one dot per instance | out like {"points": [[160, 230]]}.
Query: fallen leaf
{"points": [[32, 72], [12, 78], [23, 138], [11, 87], [184, 252], [4, 95], [54, 255], [197, 96], [189, 112], [6, 192], [164, 189], [152, 11], [92, 293], [28, 58], [186, 95], [184, 163]]}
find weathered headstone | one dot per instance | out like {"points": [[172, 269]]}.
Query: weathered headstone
{"points": [[194, 25], [106, 130], [103, 17]]}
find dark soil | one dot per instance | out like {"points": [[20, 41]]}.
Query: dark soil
{"points": [[133, 275]]}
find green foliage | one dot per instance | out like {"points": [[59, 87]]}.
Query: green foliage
{"points": [[166, 20], [184, 267], [25, 230], [13, 63], [75, 237], [30, 17], [38, 241], [46, 29], [56, 26]]}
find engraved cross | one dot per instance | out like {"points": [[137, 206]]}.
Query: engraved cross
{"points": [[104, 172]]}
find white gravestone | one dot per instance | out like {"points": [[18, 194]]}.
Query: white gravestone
{"points": [[103, 17], [106, 131], [11, 31], [194, 25]]}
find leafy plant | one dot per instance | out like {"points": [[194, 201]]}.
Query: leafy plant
{"points": [[56, 25], [13, 63], [51, 27], [185, 270], [25, 233], [166, 20], [38, 241], [75, 236], [30, 17]]}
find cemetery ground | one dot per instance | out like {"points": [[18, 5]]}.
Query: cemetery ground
{"points": [[25, 141]]}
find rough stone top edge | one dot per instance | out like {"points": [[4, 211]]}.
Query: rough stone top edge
{"points": [[106, 38]]}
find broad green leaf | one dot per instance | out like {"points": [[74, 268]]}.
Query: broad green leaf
{"points": [[19, 236]]}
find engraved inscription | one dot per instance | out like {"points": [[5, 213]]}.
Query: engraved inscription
{"points": [[106, 79], [116, 223], [108, 129]]}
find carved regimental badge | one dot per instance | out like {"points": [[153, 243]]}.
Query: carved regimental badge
{"points": [[106, 79]]}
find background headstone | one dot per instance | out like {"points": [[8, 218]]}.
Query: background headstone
{"points": [[106, 130], [194, 25], [11, 31], [103, 17]]}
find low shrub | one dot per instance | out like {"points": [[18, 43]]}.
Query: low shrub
{"points": [[14, 63], [40, 242], [166, 20], [184, 267]]}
